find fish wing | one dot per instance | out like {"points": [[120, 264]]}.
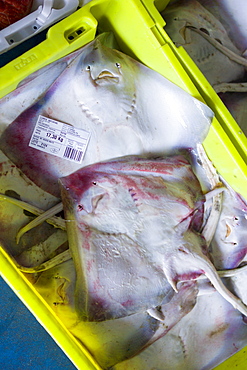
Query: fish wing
{"points": [[29, 90], [229, 247], [118, 339], [127, 108], [130, 221]]}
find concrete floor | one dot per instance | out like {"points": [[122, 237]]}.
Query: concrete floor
{"points": [[24, 343]]}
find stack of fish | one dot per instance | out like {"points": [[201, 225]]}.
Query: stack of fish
{"points": [[214, 34], [148, 237]]}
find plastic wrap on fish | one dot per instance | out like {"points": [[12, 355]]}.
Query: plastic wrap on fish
{"points": [[123, 107]]}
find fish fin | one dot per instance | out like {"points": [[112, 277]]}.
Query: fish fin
{"points": [[200, 262], [223, 49], [30, 90], [172, 312], [108, 39]]}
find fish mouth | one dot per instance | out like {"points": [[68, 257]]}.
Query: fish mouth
{"points": [[106, 77]]}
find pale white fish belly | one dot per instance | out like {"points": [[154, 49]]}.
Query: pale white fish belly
{"points": [[192, 13], [125, 107]]}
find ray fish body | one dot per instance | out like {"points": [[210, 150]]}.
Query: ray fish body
{"points": [[127, 108]]}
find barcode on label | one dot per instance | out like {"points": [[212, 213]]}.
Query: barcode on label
{"points": [[59, 139], [71, 153]]}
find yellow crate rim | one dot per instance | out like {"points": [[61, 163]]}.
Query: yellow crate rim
{"points": [[137, 20]]}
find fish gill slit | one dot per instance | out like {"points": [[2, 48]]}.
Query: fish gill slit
{"points": [[89, 114], [132, 107]]}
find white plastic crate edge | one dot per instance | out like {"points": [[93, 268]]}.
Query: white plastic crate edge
{"points": [[43, 14]]}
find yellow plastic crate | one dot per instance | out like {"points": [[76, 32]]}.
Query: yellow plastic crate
{"points": [[224, 118], [138, 29]]}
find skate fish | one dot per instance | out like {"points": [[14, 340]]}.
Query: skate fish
{"points": [[134, 223], [20, 202], [185, 15], [127, 109]]}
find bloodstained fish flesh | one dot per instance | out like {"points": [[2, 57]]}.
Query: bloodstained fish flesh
{"points": [[21, 201], [125, 107], [118, 339], [204, 37]]}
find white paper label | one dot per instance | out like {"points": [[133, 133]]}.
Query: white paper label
{"points": [[59, 139]]}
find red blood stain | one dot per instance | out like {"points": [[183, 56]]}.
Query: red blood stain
{"points": [[13, 10]]}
